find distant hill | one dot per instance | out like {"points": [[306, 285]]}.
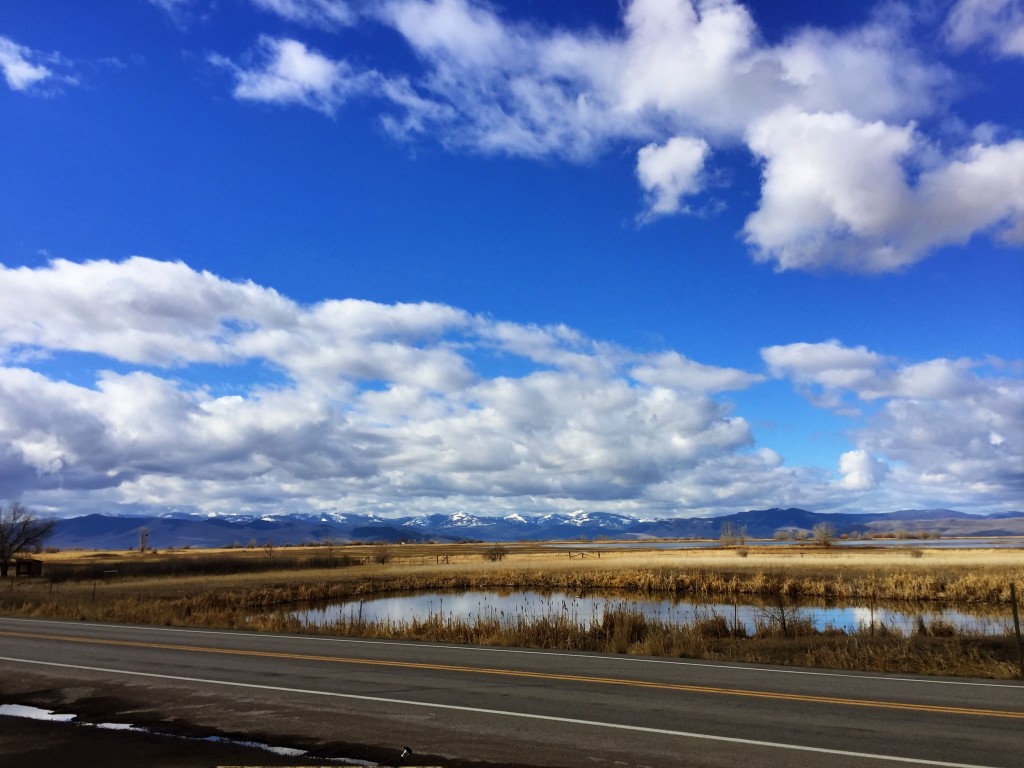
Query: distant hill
{"points": [[122, 532]]}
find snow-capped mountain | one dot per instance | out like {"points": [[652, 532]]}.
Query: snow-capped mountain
{"points": [[178, 529], [446, 522]]}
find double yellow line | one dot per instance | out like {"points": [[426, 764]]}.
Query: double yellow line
{"points": [[532, 675]]}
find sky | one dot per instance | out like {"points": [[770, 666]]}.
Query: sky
{"points": [[652, 257]]}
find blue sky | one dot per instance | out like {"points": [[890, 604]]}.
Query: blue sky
{"points": [[404, 256]]}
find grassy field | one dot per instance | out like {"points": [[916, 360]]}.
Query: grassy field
{"points": [[243, 588]]}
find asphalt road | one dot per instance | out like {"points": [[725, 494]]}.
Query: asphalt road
{"points": [[508, 706]]}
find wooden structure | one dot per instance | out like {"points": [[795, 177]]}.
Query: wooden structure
{"points": [[28, 566]]}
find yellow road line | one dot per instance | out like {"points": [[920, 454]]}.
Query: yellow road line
{"points": [[532, 675]]}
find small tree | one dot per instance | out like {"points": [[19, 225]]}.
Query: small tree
{"points": [[269, 549], [732, 534], [20, 529], [824, 534], [143, 539], [381, 553], [496, 553]]}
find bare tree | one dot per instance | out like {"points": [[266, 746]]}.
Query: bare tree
{"points": [[824, 534], [732, 534], [20, 529], [143, 539], [778, 613], [381, 554]]}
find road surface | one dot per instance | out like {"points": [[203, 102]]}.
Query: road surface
{"points": [[513, 706]]}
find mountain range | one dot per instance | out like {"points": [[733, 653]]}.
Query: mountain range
{"points": [[101, 531]]}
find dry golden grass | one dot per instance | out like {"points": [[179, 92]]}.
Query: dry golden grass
{"points": [[258, 600]]}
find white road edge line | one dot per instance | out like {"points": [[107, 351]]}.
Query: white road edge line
{"points": [[503, 713], [519, 651]]}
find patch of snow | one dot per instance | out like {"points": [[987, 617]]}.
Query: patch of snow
{"points": [[33, 713]]}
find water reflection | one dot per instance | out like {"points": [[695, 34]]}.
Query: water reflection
{"points": [[510, 607]]}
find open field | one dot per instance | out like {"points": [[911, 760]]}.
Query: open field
{"points": [[197, 588]]}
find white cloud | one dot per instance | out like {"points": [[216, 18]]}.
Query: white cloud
{"points": [[942, 430], [861, 471], [378, 404], [831, 184], [835, 193], [850, 181], [140, 311], [328, 14], [870, 71], [177, 10], [828, 112], [670, 172], [287, 72], [829, 364], [16, 61], [670, 369], [374, 407], [999, 24]]}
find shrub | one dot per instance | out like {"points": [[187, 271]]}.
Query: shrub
{"points": [[381, 554], [495, 554]]}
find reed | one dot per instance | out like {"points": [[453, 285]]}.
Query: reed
{"points": [[259, 595], [927, 650]]}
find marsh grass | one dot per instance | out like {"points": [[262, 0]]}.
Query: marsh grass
{"points": [[262, 595], [927, 650]]}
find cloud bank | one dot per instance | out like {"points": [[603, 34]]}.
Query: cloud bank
{"points": [[358, 406]]}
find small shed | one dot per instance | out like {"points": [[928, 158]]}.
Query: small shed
{"points": [[28, 566]]}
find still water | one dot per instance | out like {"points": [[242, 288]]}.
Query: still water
{"points": [[510, 607]]}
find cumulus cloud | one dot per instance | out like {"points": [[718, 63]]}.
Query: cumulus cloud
{"points": [[670, 369], [940, 429], [17, 63], [670, 172], [860, 470], [836, 193], [285, 71], [849, 179], [138, 311], [997, 24], [829, 364], [371, 404], [363, 406]]}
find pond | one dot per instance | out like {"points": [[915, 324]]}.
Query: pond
{"points": [[530, 605]]}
